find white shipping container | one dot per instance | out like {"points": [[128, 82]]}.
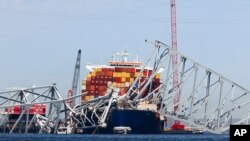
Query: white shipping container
{"points": [[127, 84], [83, 87]]}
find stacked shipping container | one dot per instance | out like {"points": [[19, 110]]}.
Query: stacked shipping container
{"points": [[121, 77]]}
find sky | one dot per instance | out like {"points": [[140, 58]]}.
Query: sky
{"points": [[39, 39]]}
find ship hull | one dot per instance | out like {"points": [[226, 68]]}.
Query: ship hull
{"points": [[139, 121]]}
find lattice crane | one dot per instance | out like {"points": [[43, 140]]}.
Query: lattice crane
{"points": [[177, 124], [76, 76]]}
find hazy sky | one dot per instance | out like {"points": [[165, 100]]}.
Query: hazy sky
{"points": [[39, 39]]}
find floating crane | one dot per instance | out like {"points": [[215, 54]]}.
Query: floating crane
{"points": [[73, 90]]}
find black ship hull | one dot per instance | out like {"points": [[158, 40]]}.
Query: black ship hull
{"points": [[139, 121]]}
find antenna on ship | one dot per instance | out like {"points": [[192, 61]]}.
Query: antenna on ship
{"points": [[137, 57], [113, 57], [117, 57], [125, 55]]}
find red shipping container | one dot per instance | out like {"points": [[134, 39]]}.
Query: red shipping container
{"points": [[98, 73], [101, 93], [122, 93], [110, 74], [41, 112], [150, 71], [118, 79], [145, 73], [156, 80], [132, 70], [88, 82], [132, 74]]}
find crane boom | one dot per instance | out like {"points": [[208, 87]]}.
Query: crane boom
{"points": [[177, 125], [174, 56], [76, 77]]}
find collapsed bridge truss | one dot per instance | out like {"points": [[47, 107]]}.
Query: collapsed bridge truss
{"points": [[208, 100]]}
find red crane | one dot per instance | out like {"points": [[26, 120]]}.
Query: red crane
{"points": [[174, 56], [177, 125]]}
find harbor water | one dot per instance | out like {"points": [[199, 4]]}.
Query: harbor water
{"points": [[115, 137]]}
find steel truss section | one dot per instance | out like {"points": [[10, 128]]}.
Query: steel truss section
{"points": [[23, 121], [208, 100], [93, 113]]}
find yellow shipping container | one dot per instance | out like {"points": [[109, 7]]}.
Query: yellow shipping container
{"points": [[119, 74], [131, 80], [93, 73], [122, 85], [99, 69], [114, 84], [157, 76], [91, 97], [136, 74], [118, 85], [127, 75], [115, 74], [89, 75], [124, 74]]}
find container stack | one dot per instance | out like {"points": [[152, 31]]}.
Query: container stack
{"points": [[121, 77]]}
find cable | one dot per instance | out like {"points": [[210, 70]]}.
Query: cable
{"points": [[138, 19]]}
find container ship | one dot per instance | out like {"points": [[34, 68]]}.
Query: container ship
{"points": [[121, 73]]}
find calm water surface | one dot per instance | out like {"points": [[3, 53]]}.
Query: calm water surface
{"points": [[168, 137]]}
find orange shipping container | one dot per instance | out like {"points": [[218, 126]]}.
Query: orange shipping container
{"points": [[92, 87], [123, 79]]}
